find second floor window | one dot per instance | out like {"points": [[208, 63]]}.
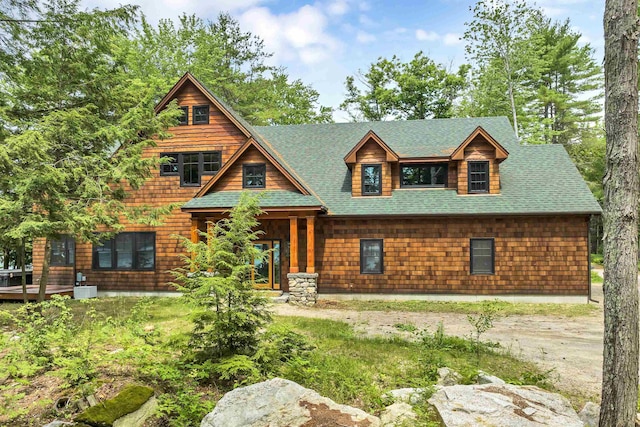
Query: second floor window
{"points": [[191, 166], [200, 114], [478, 177], [371, 180], [424, 175], [184, 118], [254, 175]]}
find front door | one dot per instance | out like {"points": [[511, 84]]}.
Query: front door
{"points": [[266, 272]]}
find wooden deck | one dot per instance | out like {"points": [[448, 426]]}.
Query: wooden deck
{"points": [[13, 293]]}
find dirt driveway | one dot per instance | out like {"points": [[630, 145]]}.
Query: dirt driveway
{"points": [[571, 347]]}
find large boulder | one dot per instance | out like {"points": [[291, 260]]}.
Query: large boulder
{"points": [[590, 415], [502, 405], [283, 403], [398, 414]]}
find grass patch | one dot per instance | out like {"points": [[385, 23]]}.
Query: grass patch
{"points": [[139, 340], [596, 278], [502, 308]]}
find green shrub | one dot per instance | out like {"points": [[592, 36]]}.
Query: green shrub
{"points": [[129, 400], [597, 259]]}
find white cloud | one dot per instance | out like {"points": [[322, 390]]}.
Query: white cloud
{"points": [[451, 39], [299, 35], [423, 35], [364, 37], [365, 20], [338, 7]]}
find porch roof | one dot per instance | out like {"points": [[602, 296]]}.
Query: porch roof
{"points": [[269, 199]]}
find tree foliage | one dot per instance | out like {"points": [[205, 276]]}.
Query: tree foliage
{"points": [[76, 124], [532, 69], [217, 280], [418, 89], [230, 62]]}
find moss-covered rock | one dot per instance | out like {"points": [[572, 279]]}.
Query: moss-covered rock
{"points": [[130, 399]]}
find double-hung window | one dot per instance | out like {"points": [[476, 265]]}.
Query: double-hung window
{"points": [[371, 180], [482, 256], [424, 175], [200, 114], [126, 251], [191, 166], [184, 118], [371, 256], [63, 251], [478, 177], [254, 175]]}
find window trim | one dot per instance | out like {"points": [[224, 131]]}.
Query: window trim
{"points": [[493, 256], [200, 122], [446, 175], [362, 242], [67, 250], [134, 253], [244, 175], [362, 175], [185, 116], [488, 175]]}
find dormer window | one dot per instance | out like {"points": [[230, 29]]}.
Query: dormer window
{"points": [[200, 114], [184, 118], [254, 175], [371, 180], [424, 175], [478, 177]]}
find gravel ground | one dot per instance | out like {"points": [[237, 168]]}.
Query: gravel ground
{"points": [[570, 347]]}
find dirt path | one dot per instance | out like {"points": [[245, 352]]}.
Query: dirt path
{"points": [[571, 347]]}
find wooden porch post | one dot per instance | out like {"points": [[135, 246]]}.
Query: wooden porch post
{"points": [[293, 238], [311, 245], [194, 239], [194, 230]]}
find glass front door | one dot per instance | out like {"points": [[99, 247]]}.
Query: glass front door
{"points": [[266, 272]]}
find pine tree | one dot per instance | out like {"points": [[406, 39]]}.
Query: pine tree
{"points": [[216, 278]]}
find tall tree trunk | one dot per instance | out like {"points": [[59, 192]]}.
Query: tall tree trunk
{"points": [[23, 264], [620, 365], [5, 258], [44, 277]]}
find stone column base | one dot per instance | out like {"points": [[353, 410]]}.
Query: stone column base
{"points": [[303, 288]]}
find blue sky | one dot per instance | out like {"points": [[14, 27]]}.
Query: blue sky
{"points": [[321, 42]]}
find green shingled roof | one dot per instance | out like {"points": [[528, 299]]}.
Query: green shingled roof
{"points": [[535, 179], [270, 199]]}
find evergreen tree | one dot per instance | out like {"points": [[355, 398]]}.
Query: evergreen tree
{"points": [[75, 124], [230, 62], [217, 280]]}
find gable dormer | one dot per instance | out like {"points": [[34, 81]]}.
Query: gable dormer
{"points": [[478, 158], [371, 162], [253, 168]]}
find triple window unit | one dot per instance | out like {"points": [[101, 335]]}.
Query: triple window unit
{"points": [[425, 175], [191, 166], [200, 115], [126, 251]]}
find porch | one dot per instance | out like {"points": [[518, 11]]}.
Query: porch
{"points": [[14, 293], [290, 238]]}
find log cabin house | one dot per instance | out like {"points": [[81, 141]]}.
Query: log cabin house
{"points": [[442, 206]]}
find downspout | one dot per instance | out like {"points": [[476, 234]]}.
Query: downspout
{"points": [[589, 259]]}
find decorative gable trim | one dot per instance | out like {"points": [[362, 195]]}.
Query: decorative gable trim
{"points": [[188, 77], [250, 143], [501, 152], [350, 158]]}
